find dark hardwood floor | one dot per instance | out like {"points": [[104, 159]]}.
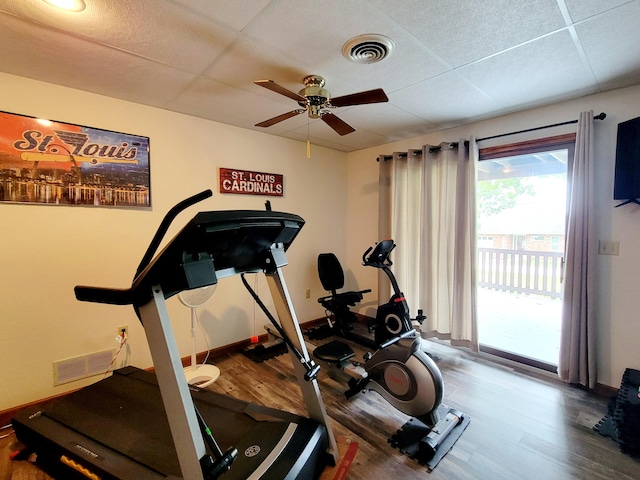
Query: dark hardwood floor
{"points": [[523, 425]]}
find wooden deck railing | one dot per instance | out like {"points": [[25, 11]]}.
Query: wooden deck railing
{"points": [[521, 271]]}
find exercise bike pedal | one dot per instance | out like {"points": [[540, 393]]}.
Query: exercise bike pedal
{"points": [[355, 371], [356, 386]]}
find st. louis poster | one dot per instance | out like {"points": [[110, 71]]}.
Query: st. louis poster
{"points": [[50, 162]]}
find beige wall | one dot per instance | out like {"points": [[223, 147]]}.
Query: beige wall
{"points": [[618, 302], [46, 250]]}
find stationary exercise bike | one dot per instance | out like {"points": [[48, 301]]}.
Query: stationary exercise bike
{"points": [[398, 370], [392, 318]]}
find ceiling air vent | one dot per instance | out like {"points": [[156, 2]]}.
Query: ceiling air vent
{"points": [[369, 48]]}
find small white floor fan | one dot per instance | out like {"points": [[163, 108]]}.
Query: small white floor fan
{"points": [[198, 375]]}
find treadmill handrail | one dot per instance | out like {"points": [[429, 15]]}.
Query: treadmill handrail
{"points": [[164, 227], [213, 244], [125, 296]]}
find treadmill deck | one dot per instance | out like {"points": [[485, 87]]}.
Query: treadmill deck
{"points": [[117, 429]]}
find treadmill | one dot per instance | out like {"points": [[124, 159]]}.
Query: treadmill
{"points": [[139, 425]]}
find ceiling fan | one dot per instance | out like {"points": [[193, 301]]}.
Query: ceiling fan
{"points": [[316, 101]]}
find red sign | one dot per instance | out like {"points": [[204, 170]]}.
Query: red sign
{"points": [[245, 182]]}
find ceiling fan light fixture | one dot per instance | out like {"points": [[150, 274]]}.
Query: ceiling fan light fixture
{"points": [[314, 91], [368, 48]]}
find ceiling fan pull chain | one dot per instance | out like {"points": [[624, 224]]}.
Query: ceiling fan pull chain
{"points": [[308, 142]]}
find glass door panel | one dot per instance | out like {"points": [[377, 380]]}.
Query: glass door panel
{"points": [[521, 231]]}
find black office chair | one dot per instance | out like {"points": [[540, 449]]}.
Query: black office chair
{"points": [[338, 303], [332, 279]]}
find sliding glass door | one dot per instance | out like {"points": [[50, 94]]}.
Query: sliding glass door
{"points": [[521, 216]]}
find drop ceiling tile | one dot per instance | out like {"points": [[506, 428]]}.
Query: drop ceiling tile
{"points": [[236, 14], [387, 120], [463, 31], [211, 99], [548, 69], [581, 9], [157, 30], [409, 63], [314, 31], [446, 99], [54, 57], [611, 42], [247, 60]]}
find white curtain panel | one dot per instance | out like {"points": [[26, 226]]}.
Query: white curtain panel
{"points": [[577, 361], [427, 205]]}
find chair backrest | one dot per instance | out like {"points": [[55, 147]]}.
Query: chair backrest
{"points": [[330, 272]]}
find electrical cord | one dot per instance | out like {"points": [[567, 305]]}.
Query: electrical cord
{"points": [[123, 341], [206, 340], [6, 427], [309, 365]]}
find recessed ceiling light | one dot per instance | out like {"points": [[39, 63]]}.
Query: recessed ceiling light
{"points": [[69, 5]]}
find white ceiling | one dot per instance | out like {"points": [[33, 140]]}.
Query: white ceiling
{"points": [[455, 61]]}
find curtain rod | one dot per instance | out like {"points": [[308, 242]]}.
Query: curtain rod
{"points": [[601, 116], [436, 148]]}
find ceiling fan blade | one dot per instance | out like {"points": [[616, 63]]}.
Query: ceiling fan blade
{"points": [[274, 87], [279, 118], [340, 126], [370, 96]]}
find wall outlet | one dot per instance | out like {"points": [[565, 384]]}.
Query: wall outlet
{"points": [[608, 247], [125, 328], [307, 293]]}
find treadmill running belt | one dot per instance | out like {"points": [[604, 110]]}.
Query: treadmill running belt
{"points": [[125, 414]]}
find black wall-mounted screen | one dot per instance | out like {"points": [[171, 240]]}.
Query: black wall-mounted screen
{"points": [[627, 173]]}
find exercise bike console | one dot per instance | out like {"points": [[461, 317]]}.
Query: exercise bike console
{"points": [[392, 318]]}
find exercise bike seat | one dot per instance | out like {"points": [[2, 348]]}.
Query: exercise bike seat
{"points": [[332, 279], [334, 352]]}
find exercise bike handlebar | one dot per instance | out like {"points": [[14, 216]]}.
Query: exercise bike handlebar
{"points": [[379, 258], [391, 341]]}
